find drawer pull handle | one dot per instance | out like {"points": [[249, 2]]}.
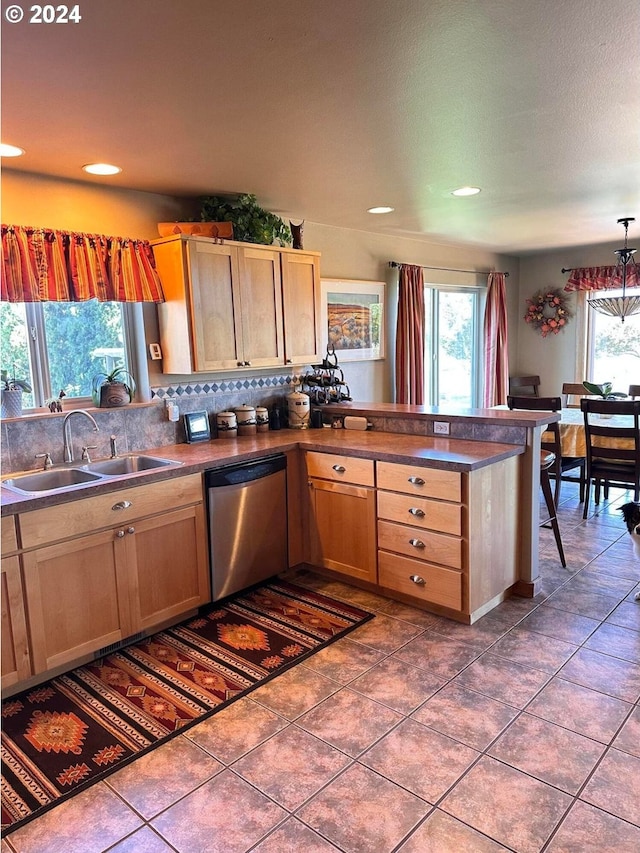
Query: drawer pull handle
{"points": [[417, 580], [121, 505], [131, 530], [339, 468], [419, 513], [416, 481], [417, 543], [120, 534]]}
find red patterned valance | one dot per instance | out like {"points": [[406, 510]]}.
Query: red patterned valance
{"points": [[602, 278], [45, 265]]}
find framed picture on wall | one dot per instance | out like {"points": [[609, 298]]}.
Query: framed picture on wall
{"points": [[352, 318]]}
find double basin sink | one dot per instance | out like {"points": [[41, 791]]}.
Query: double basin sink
{"points": [[70, 477]]}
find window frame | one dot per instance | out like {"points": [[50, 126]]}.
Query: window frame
{"points": [[134, 350]]}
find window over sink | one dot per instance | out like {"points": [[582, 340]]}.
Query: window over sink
{"points": [[63, 345]]}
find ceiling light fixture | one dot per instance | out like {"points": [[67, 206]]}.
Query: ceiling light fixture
{"points": [[619, 306], [381, 209], [462, 191], [10, 150], [101, 169]]}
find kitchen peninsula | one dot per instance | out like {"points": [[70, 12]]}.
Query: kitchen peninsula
{"points": [[464, 545]]}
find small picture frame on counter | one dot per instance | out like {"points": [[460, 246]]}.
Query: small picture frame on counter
{"points": [[196, 427]]}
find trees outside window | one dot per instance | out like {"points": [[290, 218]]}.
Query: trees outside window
{"points": [[613, 348], [61, 346]]}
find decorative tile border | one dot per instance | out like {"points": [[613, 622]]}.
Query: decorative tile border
{"points": [[223, 386]]}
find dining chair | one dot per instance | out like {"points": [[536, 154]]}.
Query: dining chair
{"points": [[571, 390], [524, 385], [547, 460], [634, 391], [613, 452], [561, 464]]}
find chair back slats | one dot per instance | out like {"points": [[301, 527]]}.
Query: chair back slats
{"points": [[572, 390], [617, 461], [524, 385]]}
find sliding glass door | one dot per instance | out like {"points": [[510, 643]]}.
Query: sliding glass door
{"points": [[452, 346]]}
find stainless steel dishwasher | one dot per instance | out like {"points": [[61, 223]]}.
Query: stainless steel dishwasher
{"points": [[247, 511]]}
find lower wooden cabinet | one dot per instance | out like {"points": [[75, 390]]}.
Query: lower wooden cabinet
{"points": [[99, 587], [16, 661], [342, 518]]}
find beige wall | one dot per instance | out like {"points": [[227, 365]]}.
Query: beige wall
{"points": [[93, 207], [554, 358]]}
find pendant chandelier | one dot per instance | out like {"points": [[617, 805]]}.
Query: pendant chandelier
{"points": [[620, 306]]}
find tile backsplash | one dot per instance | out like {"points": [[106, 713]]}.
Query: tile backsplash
{"points": [[138, 427]]}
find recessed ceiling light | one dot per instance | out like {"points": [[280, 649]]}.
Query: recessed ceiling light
{"points": [[381, 209], [10, 150], [102, 169], [466, 191]]}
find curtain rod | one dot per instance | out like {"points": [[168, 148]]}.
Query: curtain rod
{"points": [[448, 269]]}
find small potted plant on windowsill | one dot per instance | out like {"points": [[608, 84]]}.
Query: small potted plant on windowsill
{"points": [[110, 390], [12, 390]]}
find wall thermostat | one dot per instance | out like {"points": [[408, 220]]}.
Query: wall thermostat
{"points": [[196, 425]]}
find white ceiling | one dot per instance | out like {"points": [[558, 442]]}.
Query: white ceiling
{"points": [[323, 108]]}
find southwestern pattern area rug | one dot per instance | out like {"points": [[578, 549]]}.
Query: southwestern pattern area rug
{"points": [[62, 736]]}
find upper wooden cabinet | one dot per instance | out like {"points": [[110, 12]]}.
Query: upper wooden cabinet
{"points": [[231, 305]]}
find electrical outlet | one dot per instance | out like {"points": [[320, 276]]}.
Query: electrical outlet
{"points": [[441, 427]]}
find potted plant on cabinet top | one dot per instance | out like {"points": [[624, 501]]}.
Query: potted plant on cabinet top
{"points": [[251, 223], [113, 389], [12, 390]]}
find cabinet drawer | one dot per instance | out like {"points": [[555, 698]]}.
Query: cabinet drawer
{"points": [[43, 526], [420, 512], [420, 544], [431, 583], [412, 479], [343, 469], [9, 535]]}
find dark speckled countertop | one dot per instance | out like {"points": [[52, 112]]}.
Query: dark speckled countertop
{"points": [[452, 454]]}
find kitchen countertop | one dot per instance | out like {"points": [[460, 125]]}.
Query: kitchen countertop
{"points": [[437, 452], [494, 416]]}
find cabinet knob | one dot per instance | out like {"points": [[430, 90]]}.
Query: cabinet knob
{"points": [[339, 468], [289, 361], [417, 543], [131, 530], [417, 580], [241, 364], [120, 534], [122, 505], [247, 364], [417, 481], [419, 513]]}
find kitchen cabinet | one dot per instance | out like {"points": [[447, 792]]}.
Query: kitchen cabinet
{"points": [[419, 533], [436, 538], [124, 563], [341, 519], [16, 662], [235, 305]]}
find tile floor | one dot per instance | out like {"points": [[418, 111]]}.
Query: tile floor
{"points": [[414, 734]]}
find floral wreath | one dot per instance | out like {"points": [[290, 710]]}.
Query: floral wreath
{"points": [[548, 312]]}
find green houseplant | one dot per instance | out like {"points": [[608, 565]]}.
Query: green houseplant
{"points": [[12, 390], [113, 389], [251, 223], [605, 390]]}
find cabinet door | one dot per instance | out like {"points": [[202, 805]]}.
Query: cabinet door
{"points": [[216, 314], [16, 663], [342, 530], [167, 564], [303, 339], [77, 598], [261, 306]]}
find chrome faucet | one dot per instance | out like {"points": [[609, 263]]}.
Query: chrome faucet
{"points": [[66, 432], [112, 443]]}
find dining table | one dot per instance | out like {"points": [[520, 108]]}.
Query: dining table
{"points": [[572, 435]]}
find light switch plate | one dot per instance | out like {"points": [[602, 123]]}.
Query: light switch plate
{"points": [[155, 352]]}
